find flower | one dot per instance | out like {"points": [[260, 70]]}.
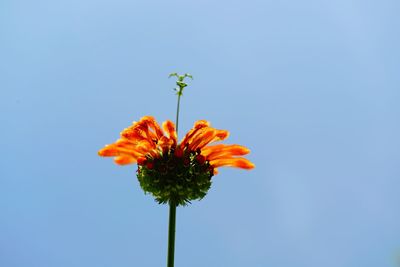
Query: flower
{"points": [[171, 171]]}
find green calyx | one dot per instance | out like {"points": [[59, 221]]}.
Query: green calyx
{"points": [[176, 179]]}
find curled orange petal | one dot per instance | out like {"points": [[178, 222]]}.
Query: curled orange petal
{"points": [[225, 151], [209, 149], [152, 123], [221, 135], [202, 138], [122, 142], [134, 134], [169, 128], [144, 147], [165, 144], [124, 160], [233, 162], [113, 150], [145, 127], [196, 128], [108, 151]]}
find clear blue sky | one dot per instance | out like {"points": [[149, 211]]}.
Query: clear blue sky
{"points": [[311, 87]]}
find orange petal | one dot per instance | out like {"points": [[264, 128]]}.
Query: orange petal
{"points": [[165, 144], [152, 123], [221, 135], [134, 134], [113, 150], [146, 127], [124, 160], [210, 149], [146, 148], [202, 138], [203, 134], [169, 128], [226, 151], [126, 143], [108, 151], [201, 124], [233, 162], [196, 127]]}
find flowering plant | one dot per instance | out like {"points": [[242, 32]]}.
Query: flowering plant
{"points": [[175, 173]]}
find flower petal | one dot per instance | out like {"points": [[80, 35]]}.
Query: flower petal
{"points": [[196, 128], [169, 128], [108, 151], [233, 162], [134, 133], [124, 160], [225, 151], [221, 135], [152, 123], [113, 150], [210, 149], [202, 138], [165, 144]]}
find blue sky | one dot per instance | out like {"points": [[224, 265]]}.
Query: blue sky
{"points": [[311, 87]]}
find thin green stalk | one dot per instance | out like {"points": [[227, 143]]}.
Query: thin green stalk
{"points": [[171, 234], [177, 113]]}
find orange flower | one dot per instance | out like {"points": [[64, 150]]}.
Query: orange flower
{"points": [[175, 172], [145, 140]]}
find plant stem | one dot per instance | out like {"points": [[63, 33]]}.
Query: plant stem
{"points": [[177, 112], [172, 207], [171, 234]]}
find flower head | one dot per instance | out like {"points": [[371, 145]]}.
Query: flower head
{"points": [[171, 171]]}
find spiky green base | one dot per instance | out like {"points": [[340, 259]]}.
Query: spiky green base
{"points": [[178, 180]]}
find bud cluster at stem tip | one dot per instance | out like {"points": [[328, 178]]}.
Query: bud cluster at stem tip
{"points": [[180, 82]]}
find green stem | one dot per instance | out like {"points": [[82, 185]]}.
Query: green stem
{"points": [[172, 208], [171, 234], [177, 112]]}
